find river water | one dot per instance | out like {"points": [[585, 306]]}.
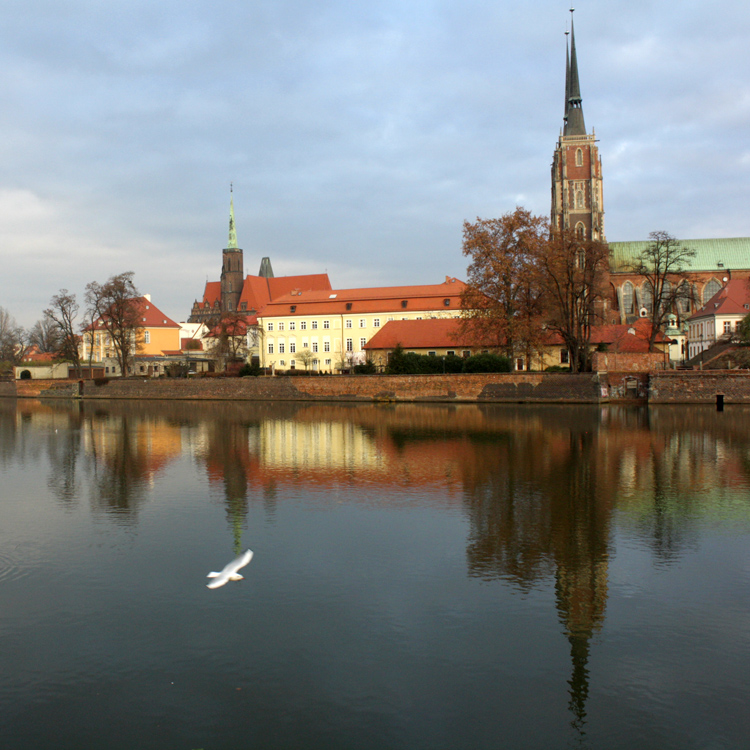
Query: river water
{"points": [[423, 576]]}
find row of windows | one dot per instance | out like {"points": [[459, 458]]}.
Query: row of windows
{"points": [[349, 323], [686, 295], [281, 346]]}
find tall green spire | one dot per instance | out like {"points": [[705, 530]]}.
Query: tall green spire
{"points": [[232, 232], [574, 124]]}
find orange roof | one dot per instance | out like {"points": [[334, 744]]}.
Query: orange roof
{"points": [[732, 299], [258, 291], [433, 333], [624, 337], [150, 316], [369, 300]]}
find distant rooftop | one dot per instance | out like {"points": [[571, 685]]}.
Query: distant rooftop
{"points": [[716, 255]]}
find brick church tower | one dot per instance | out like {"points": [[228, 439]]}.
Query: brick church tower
{"points": [[577, 202], [232, 269]]}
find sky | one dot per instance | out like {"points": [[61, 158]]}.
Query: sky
{"points": [[358, 136]]}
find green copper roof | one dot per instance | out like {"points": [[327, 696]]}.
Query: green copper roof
{"points": [[232, 245], [715, 255]]}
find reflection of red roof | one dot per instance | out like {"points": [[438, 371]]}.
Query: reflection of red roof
{"points": [[445, 296], [433, 333], [732, 299]]}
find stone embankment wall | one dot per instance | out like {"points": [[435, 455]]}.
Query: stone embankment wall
{"points": [[660, 387], [510, 388], [699, 386]]}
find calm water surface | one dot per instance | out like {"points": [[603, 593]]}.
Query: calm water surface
{"points": [[424, 577]]}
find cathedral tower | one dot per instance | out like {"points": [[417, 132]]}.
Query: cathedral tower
{"points": [[577, 202], [232, 268]]}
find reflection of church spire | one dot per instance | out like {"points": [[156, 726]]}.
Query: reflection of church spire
{"points": [[581, 593]]}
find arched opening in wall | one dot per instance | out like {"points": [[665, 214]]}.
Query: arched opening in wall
{"points": [[647, 297], [579, 157], [580, 231], [25, 375], [666, 297], [627, 298], [684, 298], [710, 289]]}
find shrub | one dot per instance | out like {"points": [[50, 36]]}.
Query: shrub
{"points": [[249, 370], [367, 368], [487, 363]]}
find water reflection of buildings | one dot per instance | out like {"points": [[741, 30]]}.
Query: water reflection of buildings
{"points": [[538, 485]]}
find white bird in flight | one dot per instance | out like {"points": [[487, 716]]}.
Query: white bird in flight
{"points": [[230, 571]]}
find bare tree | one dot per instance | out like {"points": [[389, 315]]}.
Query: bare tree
{"points": [[45, 336], [571, 273], [12, 341], [662, 264], [118, 313], [306, 357], [501, 304], [61, 317], [227, 341]]}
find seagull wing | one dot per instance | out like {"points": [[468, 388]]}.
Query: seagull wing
{"points": [[219, 579]]}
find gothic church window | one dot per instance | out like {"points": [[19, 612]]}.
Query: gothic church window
{"points": [[580, 231], [710, 289], [579, 158], [579, 199], [627, 298]]}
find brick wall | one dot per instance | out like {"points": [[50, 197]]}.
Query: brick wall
{"points": [[624, 362], [699, 386], [512, 387], [662, 387]]}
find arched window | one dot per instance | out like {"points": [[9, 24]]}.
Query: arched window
{"points": [[666, 296], [579, 158], [710, 289], [647, 297], [684, 297], [580, 231], [627, 298], [579, 199]]}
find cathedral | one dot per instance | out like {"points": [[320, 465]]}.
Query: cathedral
{"points": [[576, 167], [578, 205], [245, 296]]}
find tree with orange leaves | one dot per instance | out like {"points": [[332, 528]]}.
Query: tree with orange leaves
{"points": [[502, 301]]}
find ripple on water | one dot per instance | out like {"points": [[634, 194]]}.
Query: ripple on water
{"points": [[14, 563]]}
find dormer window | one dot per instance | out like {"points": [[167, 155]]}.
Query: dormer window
{"points": [[404, 303], [293, 308], [447, 302], [348, 305]]}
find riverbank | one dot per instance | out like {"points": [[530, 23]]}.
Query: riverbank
{"points": [[659, 387]]}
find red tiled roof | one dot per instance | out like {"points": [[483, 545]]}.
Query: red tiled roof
{"points": [[729, 300], [150, 316], [432, 333], [369, 300], [258, 291], [631, 338]]}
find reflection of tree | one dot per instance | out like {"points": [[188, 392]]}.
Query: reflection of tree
{"points": [[544, 504], [64, 451], [121, 473]]}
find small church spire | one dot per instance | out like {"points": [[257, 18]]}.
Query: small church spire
{"points": [[574, 124], [232, 245]]}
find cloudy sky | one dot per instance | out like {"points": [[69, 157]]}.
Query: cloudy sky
{"points": [[358, 135]]}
